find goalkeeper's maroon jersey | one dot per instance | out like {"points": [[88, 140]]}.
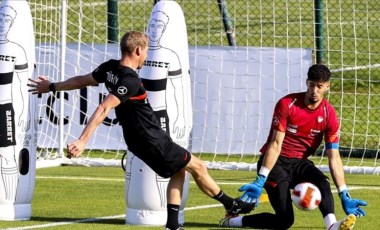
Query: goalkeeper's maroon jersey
{"points": [[304, 128], [140, 126]]}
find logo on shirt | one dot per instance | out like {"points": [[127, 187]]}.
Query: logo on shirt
{"points": [[320, 119], [275, 121], [292, 128], [314, 132], [112, 78], [122, 90]]}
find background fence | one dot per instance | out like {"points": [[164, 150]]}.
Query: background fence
{"points": [[343, 34]]}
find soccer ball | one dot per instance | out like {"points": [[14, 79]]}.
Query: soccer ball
{"points": [[306, 196]]}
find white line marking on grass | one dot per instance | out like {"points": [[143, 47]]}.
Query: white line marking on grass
{"points": [[99, 219], [203, 207], [352, 187], [80, 178], [96, 219], [68, 222]]}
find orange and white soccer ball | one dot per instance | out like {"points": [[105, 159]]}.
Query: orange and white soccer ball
{"points": [[306, 196]]}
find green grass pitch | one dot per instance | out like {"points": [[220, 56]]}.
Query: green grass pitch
{"points": [[93, 198]]}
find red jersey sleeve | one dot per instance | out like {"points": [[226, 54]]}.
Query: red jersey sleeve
{"points": [[332, 128], [280, 114]]}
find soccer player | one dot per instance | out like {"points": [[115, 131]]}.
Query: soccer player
{"points": [[142, 131], [300, 122]]}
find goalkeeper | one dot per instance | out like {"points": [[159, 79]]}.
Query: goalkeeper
{"points": [[142, 131], [300, 122]]}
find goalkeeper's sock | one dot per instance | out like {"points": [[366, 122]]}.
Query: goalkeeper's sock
{"points": [[224, 199], [347, 223], [329, 220], [172, 221]]}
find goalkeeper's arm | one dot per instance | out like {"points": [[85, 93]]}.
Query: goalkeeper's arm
{"points": [[253, 190], [350, 206]]}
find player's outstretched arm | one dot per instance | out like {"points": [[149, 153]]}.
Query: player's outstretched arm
{"points": [[40, 85], [43, 85], [75, 148]]}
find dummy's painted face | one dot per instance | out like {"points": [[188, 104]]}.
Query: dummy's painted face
{"points": [[156, 29], [5, 24]]}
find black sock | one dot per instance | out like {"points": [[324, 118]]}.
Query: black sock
{"points": [[224, 199], [172, 221]]}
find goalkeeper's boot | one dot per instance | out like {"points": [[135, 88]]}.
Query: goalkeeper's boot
{"points": [[346, 224], [179, 228], [240, 207]]}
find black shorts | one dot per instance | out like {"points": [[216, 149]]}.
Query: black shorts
{"points": [[286, 173], [7, 125], [165, 157], [292, 171]]}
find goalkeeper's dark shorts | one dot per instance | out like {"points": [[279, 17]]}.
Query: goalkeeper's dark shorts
{"points": [[293, 171], [165, 157], [285, 175]]}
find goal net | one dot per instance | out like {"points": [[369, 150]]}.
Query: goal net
{"points": [[243, 58]]}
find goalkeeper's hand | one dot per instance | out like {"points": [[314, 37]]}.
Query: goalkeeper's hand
{"points": [[253, 190], [352, 206]]}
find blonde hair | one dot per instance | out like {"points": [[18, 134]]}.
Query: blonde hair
{"points": [[131, 40]]}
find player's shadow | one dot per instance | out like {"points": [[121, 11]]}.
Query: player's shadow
{"points": [[121, 221], [64, 221], [191, 225], [111, 221]]}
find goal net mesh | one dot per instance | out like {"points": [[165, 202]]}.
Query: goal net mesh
{"points": [[244, 56]]}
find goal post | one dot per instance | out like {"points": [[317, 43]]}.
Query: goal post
{"points": [[227, 22], [234, 88]]}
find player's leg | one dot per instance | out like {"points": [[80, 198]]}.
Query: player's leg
{"points": [[174, 197], [175, 187], [197, 168], [277, 188], [306, 171], [283, 218], [177, 160]]}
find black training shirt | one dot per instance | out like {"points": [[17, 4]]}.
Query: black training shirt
{"points": [[140, 127]]}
